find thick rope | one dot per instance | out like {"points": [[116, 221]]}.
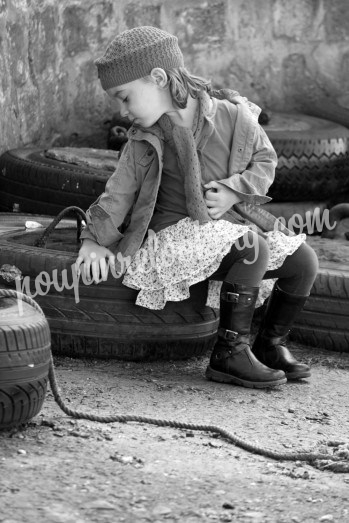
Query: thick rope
{"points": [[310, 457], [80, 215], [319, 460], [4, 293]]}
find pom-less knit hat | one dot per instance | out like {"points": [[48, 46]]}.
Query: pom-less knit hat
{"points": [[134, 53]]}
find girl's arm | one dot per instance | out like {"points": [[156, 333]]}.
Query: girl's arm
{"points": [[249, 185], [251, 178], [104, 217], [108, 212]]}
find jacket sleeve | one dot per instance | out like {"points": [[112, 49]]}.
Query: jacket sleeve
{"points": [[108, 212], [252, 182]]}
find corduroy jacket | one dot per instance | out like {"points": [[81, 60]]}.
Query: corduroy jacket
{"points": [[120, 217]]}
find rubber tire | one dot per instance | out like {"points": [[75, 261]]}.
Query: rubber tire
{"points": [[117, 138], [10, 221], [324, 321], [328, 109], [106, 323], [24, 361], [313, 157], [44, 185]]}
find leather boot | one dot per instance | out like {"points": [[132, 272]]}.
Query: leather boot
{"points": [[269, 345], [232, 360]]}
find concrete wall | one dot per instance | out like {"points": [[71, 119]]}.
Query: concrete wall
{"points": [[276, 52]]}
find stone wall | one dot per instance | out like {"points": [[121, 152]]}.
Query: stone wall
{"points": [[277, 52]]}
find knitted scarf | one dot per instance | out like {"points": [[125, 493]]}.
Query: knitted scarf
{"points": [[189, 157]]}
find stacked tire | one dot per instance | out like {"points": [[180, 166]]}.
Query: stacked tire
{"points": [[313, 158], [24, 358], [103, 321], [324, 321], [34, 182], [312, 175]]}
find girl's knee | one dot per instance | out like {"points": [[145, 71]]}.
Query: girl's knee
{"points": [[310, 261]]}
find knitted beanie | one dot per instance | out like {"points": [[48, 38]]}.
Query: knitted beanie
{"points": [[134, 53]]}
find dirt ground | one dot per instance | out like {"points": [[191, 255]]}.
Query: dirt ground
{"points": [[60, 470]]}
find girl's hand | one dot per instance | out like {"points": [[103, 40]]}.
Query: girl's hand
{"points": [[92, 261], [219, 199]]}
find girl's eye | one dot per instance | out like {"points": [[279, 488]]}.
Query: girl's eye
{"points": [[125, 99]]}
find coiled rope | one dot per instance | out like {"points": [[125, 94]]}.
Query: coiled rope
{"points": [[309, 457]]}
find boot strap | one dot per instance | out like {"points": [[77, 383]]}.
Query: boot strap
{"points": [[234, 297], [227, 334], [231, 297]]}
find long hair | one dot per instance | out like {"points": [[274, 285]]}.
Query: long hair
{"points": [[183, 84]]}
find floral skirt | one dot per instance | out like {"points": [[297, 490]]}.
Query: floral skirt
{"points": [[183, 254]]}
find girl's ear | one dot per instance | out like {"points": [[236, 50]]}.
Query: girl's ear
{"points": [[159, 76]]}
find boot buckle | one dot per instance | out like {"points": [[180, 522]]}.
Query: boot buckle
{"points": [[231, 297], [227, 334]]}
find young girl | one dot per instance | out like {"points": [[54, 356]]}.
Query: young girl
{"points": [[184, 206]]}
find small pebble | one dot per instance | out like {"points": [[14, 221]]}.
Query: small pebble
{"points": [[215, 444], [126, 459], [21, 451], [161, 510], [327, 517]]}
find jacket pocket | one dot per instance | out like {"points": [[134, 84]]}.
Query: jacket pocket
{"points": [[147, 157]]}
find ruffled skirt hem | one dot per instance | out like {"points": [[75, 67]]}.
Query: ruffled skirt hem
{"points": [[185, 253]]}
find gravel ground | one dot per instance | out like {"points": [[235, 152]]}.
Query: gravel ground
{"points": [[61, 470]]}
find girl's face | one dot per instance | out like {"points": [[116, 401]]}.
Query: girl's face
{"points": [[142, 101]]}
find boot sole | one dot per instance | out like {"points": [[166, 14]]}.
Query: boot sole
{"points": [[298, 375], [221, 377]]}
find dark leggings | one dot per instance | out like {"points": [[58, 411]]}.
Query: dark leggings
{"points": [[247, 262]]}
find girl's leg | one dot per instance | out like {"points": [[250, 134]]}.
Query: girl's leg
{"points": [[295, 280], [232, 360], [246, 263], [298, 272]]}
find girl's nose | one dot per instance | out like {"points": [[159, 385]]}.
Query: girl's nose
{"points": [[123, 110]]}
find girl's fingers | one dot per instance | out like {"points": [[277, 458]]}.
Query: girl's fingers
{"points": [[94, 267], [95, 271], [111, 260], [211, 193], [211, 185], [79, 260], [212, 197], [211, 203], [87, 269], [103, 269], [214, 213]]}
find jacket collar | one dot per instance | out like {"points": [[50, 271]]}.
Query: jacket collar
{"points": [[208, 108]]}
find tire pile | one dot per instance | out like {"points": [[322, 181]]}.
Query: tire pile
{"points": [[312, 173]]}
